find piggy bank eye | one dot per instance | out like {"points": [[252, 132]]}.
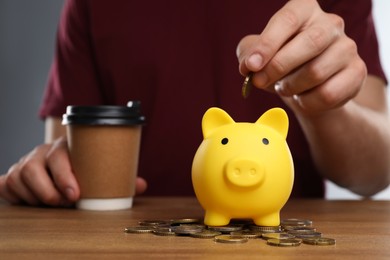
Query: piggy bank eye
{"points": [[265, 141], [224, 141]]}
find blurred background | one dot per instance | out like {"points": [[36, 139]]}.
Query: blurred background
{"points": [[27, 33]]}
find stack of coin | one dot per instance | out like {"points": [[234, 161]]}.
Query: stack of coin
{"points": [[303, 229], [291, 232]]}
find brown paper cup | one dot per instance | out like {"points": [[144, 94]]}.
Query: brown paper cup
{"points": [[104, 147]]}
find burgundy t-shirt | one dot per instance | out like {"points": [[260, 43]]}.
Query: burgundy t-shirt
{"points": [[179, 58]]}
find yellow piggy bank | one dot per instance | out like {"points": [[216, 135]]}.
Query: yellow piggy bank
{"points": [[243, 170]]}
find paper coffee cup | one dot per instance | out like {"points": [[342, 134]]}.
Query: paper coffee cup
{"points": [[104, 143]]}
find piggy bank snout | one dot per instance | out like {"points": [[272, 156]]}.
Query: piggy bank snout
{"points": [[244, 172]]}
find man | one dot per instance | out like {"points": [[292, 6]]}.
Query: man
{"points": [[317, 60]]}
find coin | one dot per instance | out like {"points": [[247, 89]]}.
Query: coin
{"points": [[276, 235], [226, 229], [299, 229], [247, 86], [185, 221], [284, 242], [230, 239], [139, 229], [164, 231], [291, 232], [246, 233], [266, 229], [306, 235], [321, 241], [153, 222], [205, 234], [296, 222], [187, 229], [193, 225]]}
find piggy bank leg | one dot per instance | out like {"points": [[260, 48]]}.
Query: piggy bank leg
{"points": [[216, 219], [268, 220]]}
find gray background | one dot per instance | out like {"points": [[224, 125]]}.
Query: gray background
{"points": [[27, 33]]}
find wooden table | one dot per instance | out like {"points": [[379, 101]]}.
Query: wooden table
{"points": [[361, 228]]}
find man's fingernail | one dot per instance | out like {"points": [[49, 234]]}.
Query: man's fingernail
{"points": [[254, 62]]}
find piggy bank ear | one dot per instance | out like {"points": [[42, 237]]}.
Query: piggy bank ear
{"points": [[277, 119], [214, 118]]}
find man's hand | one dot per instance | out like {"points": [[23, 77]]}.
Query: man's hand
{"points": [[45, 177], [42, 177], [305, 56]]}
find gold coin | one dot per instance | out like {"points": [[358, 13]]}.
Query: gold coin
{"points": [[205, 234], [139, 229], [247, 86], [230, 239], [320, 241], [284, 242], [277, 235]]}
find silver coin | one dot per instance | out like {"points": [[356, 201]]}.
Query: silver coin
{"points": [[226, 229], [164, 231], [307, 235], [153, 222], [205, 234], [321, 241], [266, 229], [284, 242], [246, 233], [187, 229], [296, 222], [230, 239], [276, 235], [139, 229], [186, 221]]}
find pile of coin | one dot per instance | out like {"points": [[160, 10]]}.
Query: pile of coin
{"points": [[290, 232]]}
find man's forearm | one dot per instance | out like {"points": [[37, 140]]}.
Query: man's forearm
{"points": [[351, 147], [53, 129]]}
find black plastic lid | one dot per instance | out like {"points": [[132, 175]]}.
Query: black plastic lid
{"points": [[104, 115]]}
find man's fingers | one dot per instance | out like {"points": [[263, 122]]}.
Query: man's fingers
{"points": [[333, 93], [16, 188], [61, 171], [5, 193], [140, 186], [283, 25], [35, 176], [320, 69]]}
